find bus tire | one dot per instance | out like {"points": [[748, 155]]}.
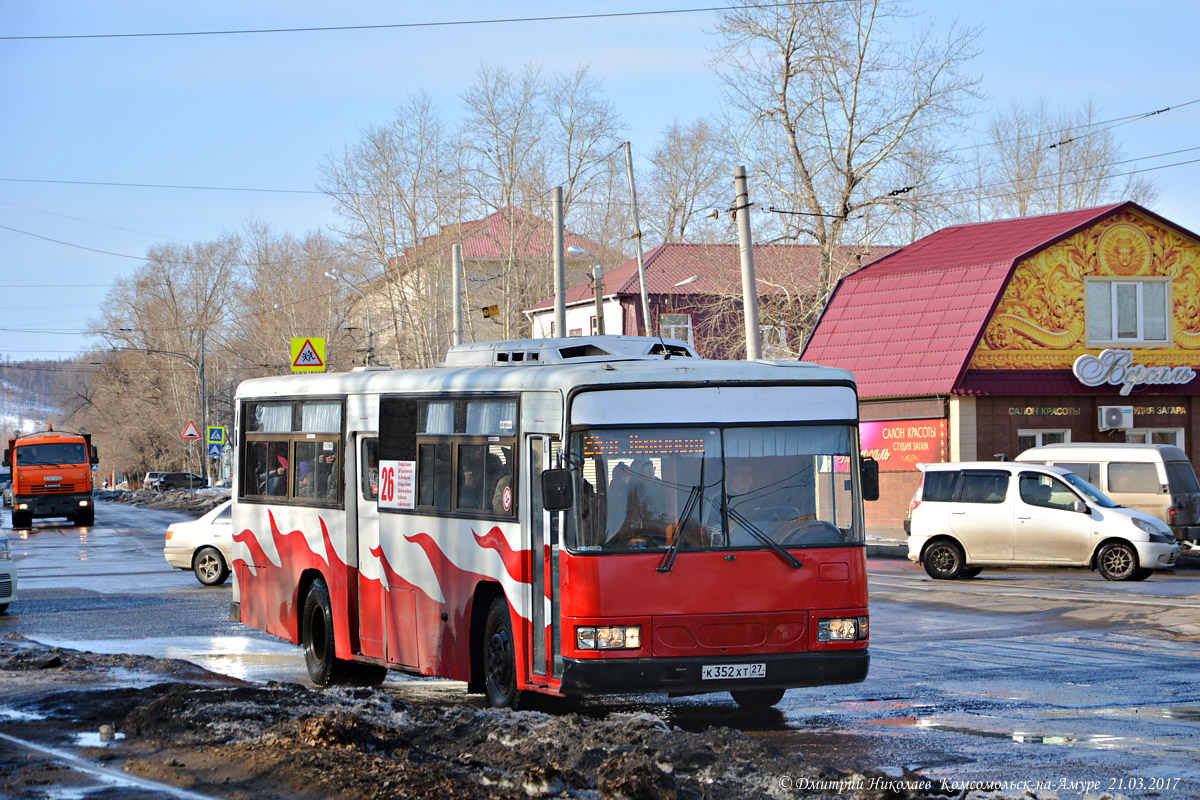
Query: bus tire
{"points": [[316, 633], [757, 699], [499, 657]]}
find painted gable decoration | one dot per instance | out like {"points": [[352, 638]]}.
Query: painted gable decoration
{"points": [[1041, 322]]}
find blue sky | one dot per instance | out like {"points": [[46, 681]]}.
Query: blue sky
{"points": [[264, 110]]}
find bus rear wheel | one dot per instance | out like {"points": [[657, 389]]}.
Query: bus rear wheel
{"points": [[499, 657], [316, 631]]}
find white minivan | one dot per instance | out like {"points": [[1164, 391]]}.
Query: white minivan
{"points": [[970, 515], [1155, 478]]}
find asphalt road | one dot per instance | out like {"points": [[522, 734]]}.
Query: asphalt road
{"points": [[1041, 679]]}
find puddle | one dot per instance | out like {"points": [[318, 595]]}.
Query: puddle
{"points": [[92, 739], [1100, 741], [18, 716]]}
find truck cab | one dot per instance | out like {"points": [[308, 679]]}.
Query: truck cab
{"points": [[51, 476]]}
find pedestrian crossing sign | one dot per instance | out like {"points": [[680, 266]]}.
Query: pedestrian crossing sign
{"points": [[216, 434], [308, 354]]}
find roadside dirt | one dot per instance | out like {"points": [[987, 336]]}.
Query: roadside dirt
{"points": [[183, 726]]}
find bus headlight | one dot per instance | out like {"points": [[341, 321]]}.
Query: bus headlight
{"points": [[842, 629], [609, 638]]}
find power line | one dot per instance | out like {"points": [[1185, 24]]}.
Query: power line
{"points": [[436, 24]]}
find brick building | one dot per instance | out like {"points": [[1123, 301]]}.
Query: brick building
{"points": [[979, 341]]}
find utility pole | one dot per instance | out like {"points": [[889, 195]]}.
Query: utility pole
{"points": [[456, 336], [204, 416], [741, 207], [598, 280], [637, 235], [560, 268]]}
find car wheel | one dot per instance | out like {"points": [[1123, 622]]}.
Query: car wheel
{"points": [[210, 567], [499, 657], [969, 572], [1117, 561], [1142, 574], [3, 608], [943, 560], [317, 633], [757, 699]]}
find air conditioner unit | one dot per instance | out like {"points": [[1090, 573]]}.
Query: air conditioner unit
{"points": [[1115, 417]]}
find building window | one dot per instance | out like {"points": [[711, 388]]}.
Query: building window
{"points": [[1173, 436], [773, 339], [594, 330], [1128, 311], [1034, 438], [676, 326]]}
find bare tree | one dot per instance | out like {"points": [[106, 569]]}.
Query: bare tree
{"points": [[1038, 161], [832, 96], [690, 170]]}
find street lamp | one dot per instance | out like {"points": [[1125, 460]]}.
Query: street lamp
{"points": [[336, 274], [577, 251]]}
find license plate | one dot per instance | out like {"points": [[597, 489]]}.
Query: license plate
{"points": [[716, 672]]}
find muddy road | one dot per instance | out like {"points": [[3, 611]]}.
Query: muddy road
{"points": [[1054, 681]]}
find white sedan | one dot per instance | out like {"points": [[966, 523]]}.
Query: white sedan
{"points": [[8, 574], [205, 545]]}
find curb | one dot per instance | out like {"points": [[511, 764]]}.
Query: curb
{"points": [[886, 549]]}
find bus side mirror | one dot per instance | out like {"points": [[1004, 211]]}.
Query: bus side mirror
{"points": [[870, 479], [556, 490], [95, 455]]}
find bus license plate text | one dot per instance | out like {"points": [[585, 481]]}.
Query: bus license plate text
{"points": [[712, 672]]}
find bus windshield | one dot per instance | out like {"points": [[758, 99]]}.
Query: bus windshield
{"points": [[51, 454], [712, 487]]}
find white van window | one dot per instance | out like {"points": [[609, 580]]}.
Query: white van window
{"points": [[1047, 492], [939, 486], [1137, 478], [1088, 470], [983, 487], [1182, 477]]}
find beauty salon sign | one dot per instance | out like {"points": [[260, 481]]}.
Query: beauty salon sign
{"points": [[902, 444], [1117, 368]]}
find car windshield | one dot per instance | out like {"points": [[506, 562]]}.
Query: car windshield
{"points": [[54, 453], [642, 489], [1090, 492]]}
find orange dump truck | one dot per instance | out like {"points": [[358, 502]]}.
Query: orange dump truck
{"points": [[51, 476]]}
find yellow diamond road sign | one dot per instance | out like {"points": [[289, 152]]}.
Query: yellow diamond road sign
{"points": [[308, 354]]}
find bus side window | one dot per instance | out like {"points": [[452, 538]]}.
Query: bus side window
{"points": [[370, 469], [433, 476]]}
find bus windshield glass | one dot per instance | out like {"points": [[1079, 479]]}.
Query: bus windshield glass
{"points": [[51, 454], [712, 487]]}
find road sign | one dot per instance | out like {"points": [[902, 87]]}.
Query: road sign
{"points": [[190, 432], [216, 434], [214, 450], [308, 354]]}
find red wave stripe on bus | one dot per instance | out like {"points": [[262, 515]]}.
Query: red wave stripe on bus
{"points": [[514, 564], [278, 583]]}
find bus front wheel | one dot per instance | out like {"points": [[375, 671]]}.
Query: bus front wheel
{"points": [[316, 631], [499, 657]]}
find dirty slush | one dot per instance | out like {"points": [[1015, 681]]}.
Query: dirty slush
{"points": [[178, 724]]}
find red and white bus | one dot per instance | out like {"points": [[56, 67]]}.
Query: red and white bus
{"points": [[567, 516]]}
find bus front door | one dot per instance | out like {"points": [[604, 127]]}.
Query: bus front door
{"points": [[544, 526]]}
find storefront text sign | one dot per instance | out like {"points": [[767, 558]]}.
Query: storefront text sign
{"points": [[1117, 367], [902, 444]]}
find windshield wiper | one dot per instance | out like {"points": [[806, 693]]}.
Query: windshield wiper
{"points": [[790, 559], [689, 505]]}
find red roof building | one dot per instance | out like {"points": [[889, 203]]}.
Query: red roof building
{"points": [[980, 341], [694, 293]]}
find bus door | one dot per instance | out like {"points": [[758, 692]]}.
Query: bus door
{"points": [[544, 528], [362, 513]]}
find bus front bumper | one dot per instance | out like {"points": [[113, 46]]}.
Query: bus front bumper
{"points": [[685, 675]]}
